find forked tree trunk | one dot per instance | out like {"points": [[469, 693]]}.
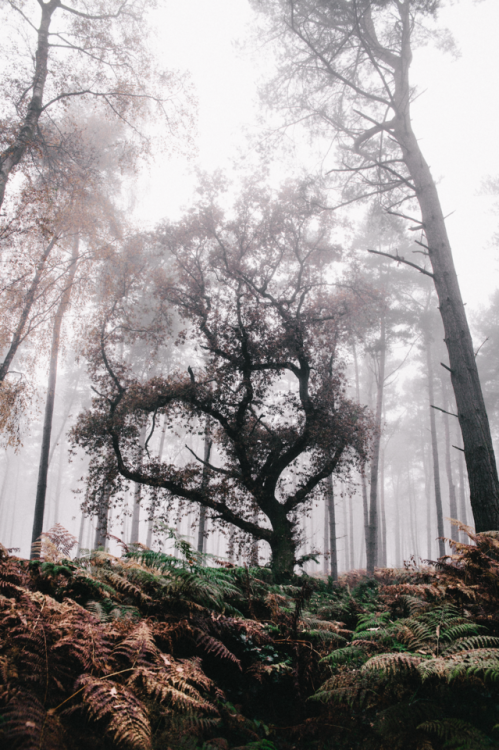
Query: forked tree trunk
{"points": [[41, 489]]}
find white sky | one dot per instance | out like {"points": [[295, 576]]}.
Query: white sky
{"points": [[455, 117]]}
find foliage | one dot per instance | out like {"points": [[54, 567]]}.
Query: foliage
{"points": [[155, 651]]}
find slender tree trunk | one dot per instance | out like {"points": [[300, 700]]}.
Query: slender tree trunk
{"points": [[27, 305], [427, 489], [351, 531], [137, 495], [204, 482], [326, 536], [434, 446], [412, 514], [80, 534], [346, 555], [150, 523], [59, 483], [398, 541], [462, 495], [372, 551], [333, 565], [365, 506], [41, 489], [454, 533], [102, 522], [382, 525]]}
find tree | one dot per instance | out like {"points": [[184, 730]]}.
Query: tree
{"points": [[254, 294], [95, 52], [346, 67]]}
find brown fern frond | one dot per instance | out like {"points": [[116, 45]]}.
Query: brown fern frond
{"points": [[139, 647], [125, 715], [158, 685], [392, 664], [29, 726], [216, 647]]}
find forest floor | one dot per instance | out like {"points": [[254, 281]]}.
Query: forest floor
{"points": [[171, 653]]}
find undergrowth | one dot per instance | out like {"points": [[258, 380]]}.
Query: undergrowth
{"points": [[155, 651]]}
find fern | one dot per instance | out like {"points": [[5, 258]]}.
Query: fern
{"points": [[125, 717], [392, 664], [457, 734]]}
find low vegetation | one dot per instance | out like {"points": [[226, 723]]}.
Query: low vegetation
{"points": [[183, 653]]}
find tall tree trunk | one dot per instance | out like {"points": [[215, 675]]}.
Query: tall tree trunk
{"points": [[333, 564], [454, 533], [434, 444], [346, 555], [59, 483], [477, 439], [26, 309], [462, 494], [363, 482], [137, 495], [412, 514], [41, 489], [204, 482], [326, 536], [372, 551], [102, 522], [150, 523], [80, 534], [398, 541], [351, 532]]}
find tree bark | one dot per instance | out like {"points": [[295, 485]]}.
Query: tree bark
{"points": [[41, 489]]}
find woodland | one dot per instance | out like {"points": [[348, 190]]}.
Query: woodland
{"points": [[248, 486]]}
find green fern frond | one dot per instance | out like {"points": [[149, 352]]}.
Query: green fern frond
{"points": [[457, 734], [344, 655], [475, 642]]}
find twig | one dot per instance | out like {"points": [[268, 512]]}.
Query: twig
{"points": [[444, 411], [400, 259]]}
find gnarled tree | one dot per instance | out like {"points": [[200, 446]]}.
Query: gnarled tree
{"points": [[254, 295]]}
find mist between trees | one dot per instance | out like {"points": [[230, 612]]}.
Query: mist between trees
{"points": [[249, 376]]}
